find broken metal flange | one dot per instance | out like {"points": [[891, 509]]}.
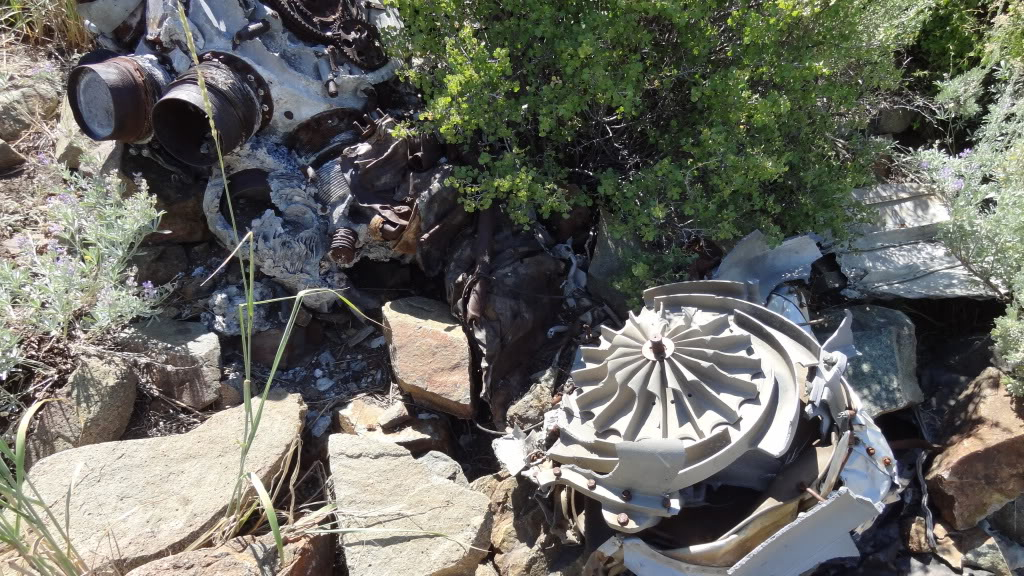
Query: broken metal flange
{"points": [[681, 395], [113, 99], [238, 96]]}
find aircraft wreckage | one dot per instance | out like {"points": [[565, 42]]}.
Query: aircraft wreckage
{"points": [[711, 434]]}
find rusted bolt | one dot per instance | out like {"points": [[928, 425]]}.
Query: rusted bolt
{"points": [[871, 451], [555, 431], [623, 519], [627, 495], [591, 483], [556, 399], [658, 347], [557, 471], [887, 461]]}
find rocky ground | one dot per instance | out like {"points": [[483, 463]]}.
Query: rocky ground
{"points": [[376, 417]]}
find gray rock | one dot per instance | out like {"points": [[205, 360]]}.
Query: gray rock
{"points": [[530, 408], [885, 374], [35, 100], [1009, 520], [485, 570], [9, 157], [444, 466], [894, 120], [96, 407], [612, 257], [380, 485], [394, 416], [137, 500], [248, 556], [182, 360], [988, 556]]}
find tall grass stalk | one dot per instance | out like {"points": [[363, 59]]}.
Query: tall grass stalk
{"points": [[27, 524]]}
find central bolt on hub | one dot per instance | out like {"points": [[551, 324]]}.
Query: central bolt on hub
{"points": [[658, 348]]}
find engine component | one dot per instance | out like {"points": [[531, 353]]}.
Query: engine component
{"points": [[704, 388], [239, 98], [114, 99], [358, 40], [250, 32]]}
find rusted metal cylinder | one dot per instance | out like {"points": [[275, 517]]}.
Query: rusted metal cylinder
{"points": [[343, 246], [114, 99], [180, 121], [332, 187]]}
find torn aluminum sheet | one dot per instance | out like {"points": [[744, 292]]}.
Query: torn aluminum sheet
{"points": [[897, 255], [707, 389], [819, 534], [764, 268]]}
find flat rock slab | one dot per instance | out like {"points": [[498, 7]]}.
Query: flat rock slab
{"points": [[982, 466], [137, 500], [430, 354], [380, 486], [248, 556], [885, 374]]}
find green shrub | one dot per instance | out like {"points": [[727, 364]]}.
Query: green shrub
{"points": [[951, 41], [722, 116], [984, 186], [73, 279]]}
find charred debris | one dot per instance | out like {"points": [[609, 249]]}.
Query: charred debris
{"points": [[709, 433]]}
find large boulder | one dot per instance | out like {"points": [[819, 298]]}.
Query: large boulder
{"points": [[982, 467], [95, 407], [137, 500], [380, 486], [248, 556], [181, 359], [430, 354]]}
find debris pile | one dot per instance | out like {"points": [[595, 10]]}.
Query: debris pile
{"points": [[712, 432]]}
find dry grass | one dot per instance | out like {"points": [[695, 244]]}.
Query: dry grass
{"points": [[52, 23]]}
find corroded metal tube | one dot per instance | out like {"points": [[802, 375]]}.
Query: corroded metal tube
{"points": [[180, 121], [114, 99]]}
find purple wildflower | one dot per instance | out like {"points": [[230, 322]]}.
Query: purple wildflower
{"points": [[53, 228], [23, 242], [966, 152], [43, 159], [946, 172], [925, 165], [958, 184], [148, 290]]}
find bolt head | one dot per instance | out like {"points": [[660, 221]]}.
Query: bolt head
{"points": [[871, 451], [887, 461], [623, 519], [627, 495], [557, 471], [591, 484]]}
